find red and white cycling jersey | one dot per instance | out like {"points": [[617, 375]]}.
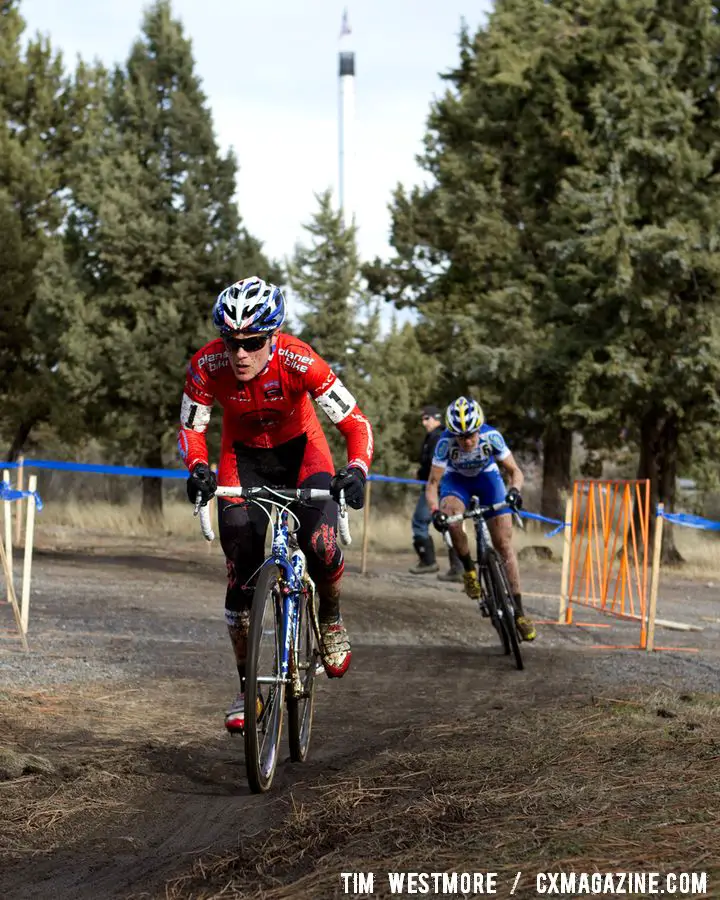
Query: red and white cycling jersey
{"points": [[271, 409]]}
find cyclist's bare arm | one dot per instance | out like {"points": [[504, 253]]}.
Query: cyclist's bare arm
{"points": [[432, 488], [512, 470]]}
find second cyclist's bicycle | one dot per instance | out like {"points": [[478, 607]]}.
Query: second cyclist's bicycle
{"points": [[496, 599], [284, 654]]}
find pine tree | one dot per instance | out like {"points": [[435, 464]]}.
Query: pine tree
{"points": [[156, 235], [565, 247], [40, 128], [386, 373], [324, 273], [472, 247], [641, 278]]}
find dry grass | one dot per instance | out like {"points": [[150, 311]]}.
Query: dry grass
{"points": [[701, 552], [73, 759], [124, 520], [390, 531], [620, 784]]}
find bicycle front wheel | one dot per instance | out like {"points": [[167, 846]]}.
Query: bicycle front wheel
{"points": [[264, 685], [504, 607], [488, 586], [300, 707]]}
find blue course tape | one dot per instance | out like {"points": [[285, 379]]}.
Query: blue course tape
{"points": [[153, 473], [393, 480], [8, 493], [138, 471], [98, 469], [690, 521], [560, 525]]}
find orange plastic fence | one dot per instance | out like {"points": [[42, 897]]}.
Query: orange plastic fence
{"points": [[608, 568]]}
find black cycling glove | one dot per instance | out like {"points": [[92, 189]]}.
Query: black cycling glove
{"points": [[514, 498], [352, 481], [439, 520], [202, 481]]}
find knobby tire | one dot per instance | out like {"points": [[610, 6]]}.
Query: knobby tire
{"points": [[263, 736], [300, 710], [502, 592], [492, 603]]}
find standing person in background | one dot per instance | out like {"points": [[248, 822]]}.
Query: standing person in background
{"points": [[422, 541]]}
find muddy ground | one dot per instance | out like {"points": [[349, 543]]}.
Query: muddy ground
{"points": [[116, 775]]}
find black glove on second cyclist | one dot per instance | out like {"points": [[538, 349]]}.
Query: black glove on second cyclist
{"points": [[352, 481], [202, 481], [439, 520], [514, 499]]}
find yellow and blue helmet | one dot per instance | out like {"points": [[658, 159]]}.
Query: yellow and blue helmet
{"points": [[464, 416]]}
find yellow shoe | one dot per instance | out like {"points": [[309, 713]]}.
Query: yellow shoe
{"points": [[526, 628], [471, 584]]}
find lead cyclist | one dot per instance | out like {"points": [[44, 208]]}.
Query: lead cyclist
{"points": [[264, 380], [468, 458]]}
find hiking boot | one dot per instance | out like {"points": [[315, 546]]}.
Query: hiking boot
{"points": [[471, 584], [423, 568], [425, 550], [235, 716], [455, 572], [525, 628], [451, 575], [336, 650]]}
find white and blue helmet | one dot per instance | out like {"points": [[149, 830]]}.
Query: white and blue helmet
{"points": [[251, 305], [464, 416]]}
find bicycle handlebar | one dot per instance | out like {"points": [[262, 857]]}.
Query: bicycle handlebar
{"points": [[274, 494], [477, 511]]}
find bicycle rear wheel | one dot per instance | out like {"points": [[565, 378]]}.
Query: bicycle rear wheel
{"points": [[504, 606], [263, 682], [300, 709]]}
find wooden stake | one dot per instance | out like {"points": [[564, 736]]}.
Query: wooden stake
{"points": [[12, 599], [655, 582], [27, 561], [565, 562], [8, 526], [366, 529], [18, 503]]}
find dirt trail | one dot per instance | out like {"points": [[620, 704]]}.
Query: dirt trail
{"points": [[130, 670]]}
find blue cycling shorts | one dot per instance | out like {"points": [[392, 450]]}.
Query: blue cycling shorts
{"points": [[487, 486]]}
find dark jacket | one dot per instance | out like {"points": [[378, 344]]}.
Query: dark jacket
{"points": [[426, 454]]}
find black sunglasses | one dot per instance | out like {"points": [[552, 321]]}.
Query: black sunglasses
{"points": [[249, 345]]}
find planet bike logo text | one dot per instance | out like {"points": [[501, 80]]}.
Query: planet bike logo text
{"points": [[213, 361], [296, 360]]}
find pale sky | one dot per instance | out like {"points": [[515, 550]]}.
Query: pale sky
{"points": [[269, 70]]}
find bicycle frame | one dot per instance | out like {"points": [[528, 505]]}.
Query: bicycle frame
{"points": [[289, 559], [293, 570], [477, 512]]}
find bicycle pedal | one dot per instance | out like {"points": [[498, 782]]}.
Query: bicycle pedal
{"points": [[484, 611]]}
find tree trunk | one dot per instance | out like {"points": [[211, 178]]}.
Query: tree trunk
{"points": [[557, 456], [152, 498], [658, 462], [22, 433]]}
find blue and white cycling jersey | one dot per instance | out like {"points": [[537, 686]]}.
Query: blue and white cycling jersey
{"points": [[490, 449]]}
